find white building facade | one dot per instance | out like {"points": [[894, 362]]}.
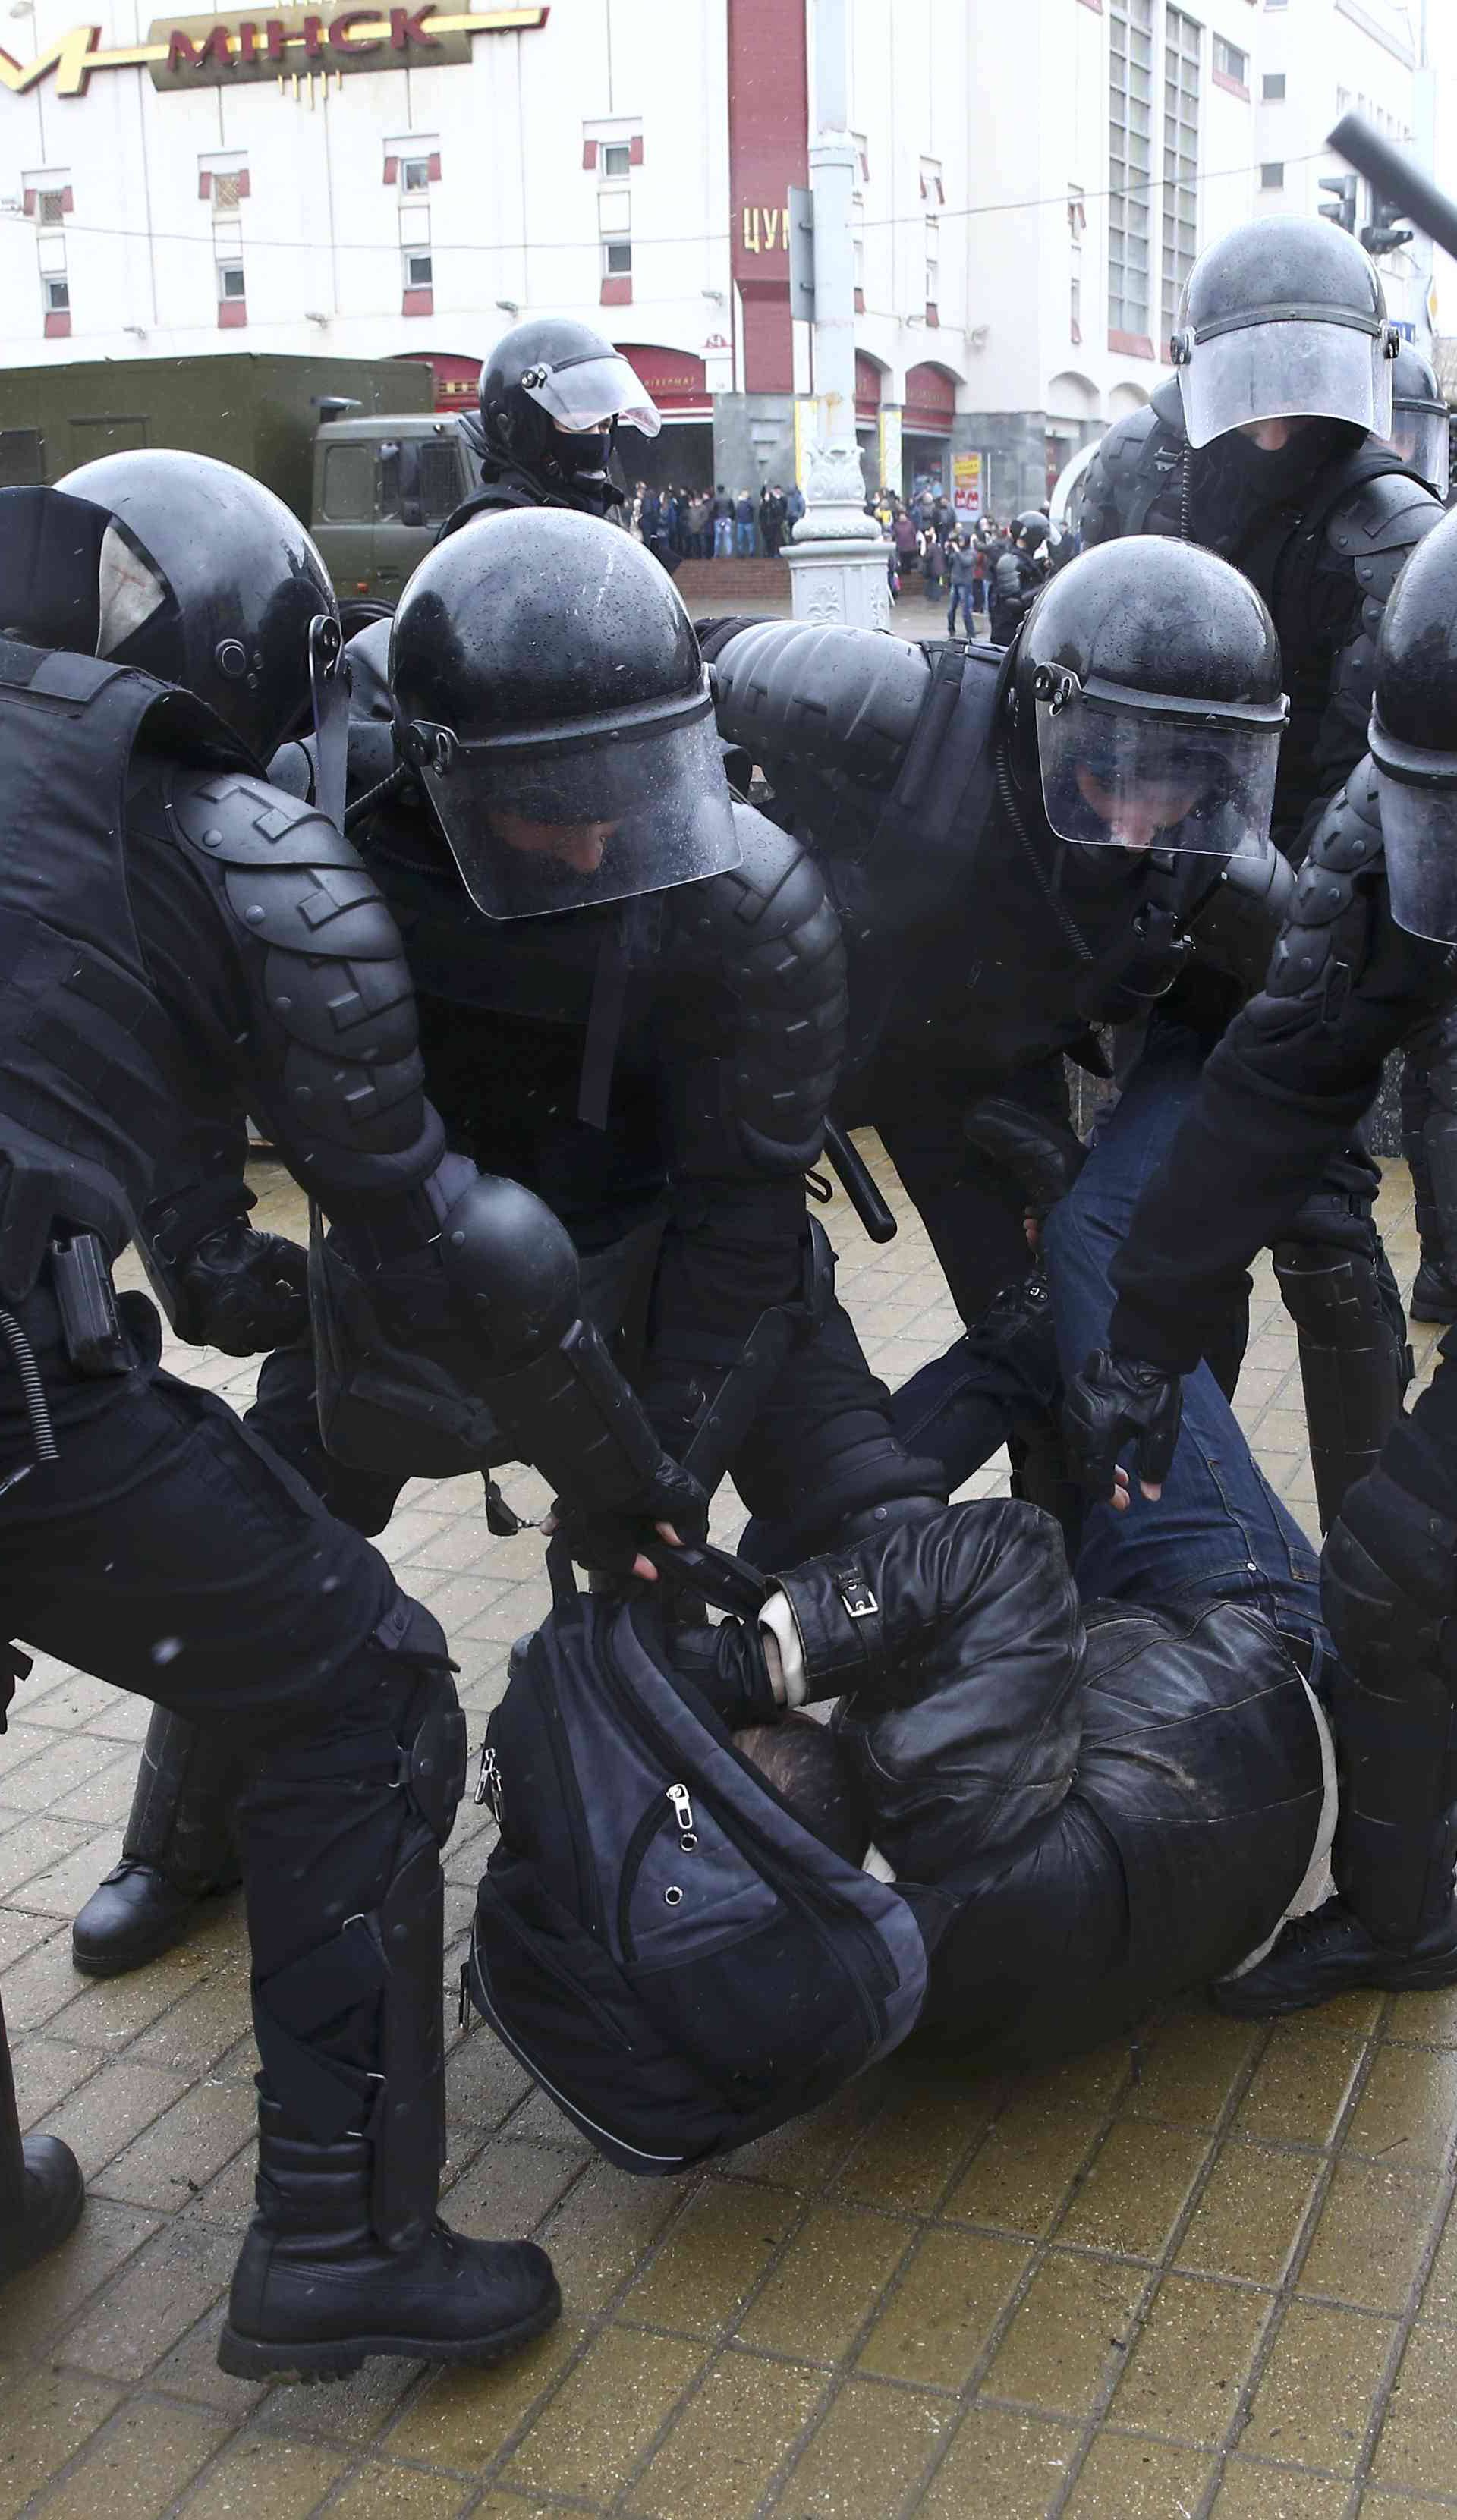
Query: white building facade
{"points": [[1034, 181]]}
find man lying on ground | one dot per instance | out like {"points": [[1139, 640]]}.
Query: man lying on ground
{"points": [[1093, 1788]]}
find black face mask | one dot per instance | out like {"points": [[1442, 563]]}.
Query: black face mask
{"points": [[584, 450]]}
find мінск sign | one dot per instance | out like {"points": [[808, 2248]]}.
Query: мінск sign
{"points": [[280, 43]]}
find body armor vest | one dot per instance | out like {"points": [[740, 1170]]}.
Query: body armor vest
{"points": [[88, 1091]]}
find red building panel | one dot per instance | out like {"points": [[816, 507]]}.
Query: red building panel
{"points": [[767, 120]]}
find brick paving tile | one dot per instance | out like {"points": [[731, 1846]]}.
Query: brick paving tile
{"points": [[1001, 2465], [135, 2467], [1173, 2278], [1252, 2493], [1127, 2479], [731, 2438], [261, 2478], [870, 2449]]}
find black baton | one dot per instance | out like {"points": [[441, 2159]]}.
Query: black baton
{"points": [[858, 1184]]}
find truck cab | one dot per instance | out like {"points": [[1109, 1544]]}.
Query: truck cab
{"points": [[382, 489]]}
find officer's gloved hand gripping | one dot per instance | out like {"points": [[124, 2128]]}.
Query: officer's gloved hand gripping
{"points": [[1119, 1403]]}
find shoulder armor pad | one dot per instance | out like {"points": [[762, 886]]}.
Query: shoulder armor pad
{"points": [[235, 820], [766, 929], [1390, 512], [1327, 922], [287, 876], [848, 699]]}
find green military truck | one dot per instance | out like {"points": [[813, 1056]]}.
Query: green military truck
{"points": [[351, 445]]}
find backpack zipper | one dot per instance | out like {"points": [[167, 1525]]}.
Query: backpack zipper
{"points": [[654, 1821]]}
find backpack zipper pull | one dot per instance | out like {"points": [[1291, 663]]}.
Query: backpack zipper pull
{"points": [[488, 1783], [683, 1814]]}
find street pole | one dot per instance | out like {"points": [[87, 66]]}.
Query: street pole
{"points": [[837, 557]]}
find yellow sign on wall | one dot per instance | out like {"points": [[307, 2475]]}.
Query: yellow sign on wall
{"points": [[229, 52]]}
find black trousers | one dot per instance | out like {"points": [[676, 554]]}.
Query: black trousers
{"points": [[170, 1550]]}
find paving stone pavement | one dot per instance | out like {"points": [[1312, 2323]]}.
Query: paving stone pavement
{"points": [[1208, 2278]]}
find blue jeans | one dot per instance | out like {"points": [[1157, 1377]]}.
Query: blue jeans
{"points": [[743, 540], [961, 595], [1219, 1531], [723, 537]]}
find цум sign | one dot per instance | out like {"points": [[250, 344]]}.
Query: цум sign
{"points": [[231, 51]]}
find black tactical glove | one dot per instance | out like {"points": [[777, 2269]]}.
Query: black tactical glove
{"points": [[1044, 1156], [1114, 1402], [241, 1291], [608, 1540]]}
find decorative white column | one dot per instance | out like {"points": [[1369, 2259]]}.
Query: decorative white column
{"points": [[837, 562]]}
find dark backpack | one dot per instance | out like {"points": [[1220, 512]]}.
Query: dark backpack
{"points": [[677, 1961]]}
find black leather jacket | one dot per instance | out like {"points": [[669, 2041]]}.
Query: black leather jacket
{"points": [[1120, 1800]]}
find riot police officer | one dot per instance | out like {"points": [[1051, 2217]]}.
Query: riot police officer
{"points": [[1421, 434], [1421, 422], [1364, 960], [997, 905], [553, 396], [631, 996], [184, 943], [1269, 445], [1016, 574]]}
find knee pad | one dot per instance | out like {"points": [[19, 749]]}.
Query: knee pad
{"points": [[431, 1726]]}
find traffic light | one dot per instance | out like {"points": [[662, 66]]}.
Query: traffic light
{"points": [[1342, 210], [1385, 232]]}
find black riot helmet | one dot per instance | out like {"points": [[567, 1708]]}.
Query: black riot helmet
{"points": [[1419, 431], [1414, 737], [1284, 319], [1030, 529], [548, 686], [205, 579], [551, 393], [1150, 670]]}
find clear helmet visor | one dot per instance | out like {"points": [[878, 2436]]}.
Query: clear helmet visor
{"points": [[1420, 435], [1125, 779], [536, 827], [1295, 369], [1419, 828], [587, 394]]}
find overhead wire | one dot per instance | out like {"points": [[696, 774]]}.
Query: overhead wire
{"points": [[254, 243]]}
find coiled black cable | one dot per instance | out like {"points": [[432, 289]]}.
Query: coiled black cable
{"points": [[379, 795], [33, 1393]]}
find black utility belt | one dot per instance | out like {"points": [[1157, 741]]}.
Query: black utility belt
{"points": [[78, 1271]]}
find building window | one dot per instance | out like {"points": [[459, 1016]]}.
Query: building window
{"points": [[412, 165], [418, 271], [610, 150], [1129, 164], [56, 296], [1180, 159], [1075, 306], [230, 280], [616, 261], [1272, 175], [1230, 66], [933, 188], [47, 197], [932, 262], [1272, 87], [1077, 212], [861, 148], [224, 182]]}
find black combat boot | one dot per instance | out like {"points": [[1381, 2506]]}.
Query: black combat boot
{"points": [[41, 2188], [1434, 1294], [1393, 1923], [1330, 1953], [176, 1855], [314, 2291]]}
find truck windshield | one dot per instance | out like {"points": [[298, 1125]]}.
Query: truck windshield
{"points": [[348, 484]]}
